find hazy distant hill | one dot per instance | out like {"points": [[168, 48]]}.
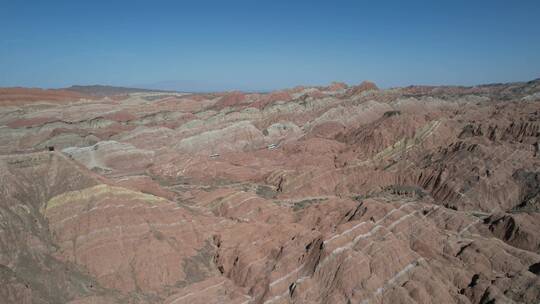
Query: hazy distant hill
{"points": [[104, 90]]}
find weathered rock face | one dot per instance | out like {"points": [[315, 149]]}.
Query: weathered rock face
{"points": [[311, 195], [231, 99], [241, 136], [124, 245], [108, 156], [30, 273], [363, 87]]}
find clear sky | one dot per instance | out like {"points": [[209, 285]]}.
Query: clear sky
{"points": [[262, 45]]}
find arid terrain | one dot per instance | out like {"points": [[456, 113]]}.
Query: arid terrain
{"points": [[335, 194]]}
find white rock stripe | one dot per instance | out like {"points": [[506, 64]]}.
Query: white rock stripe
{"points": [[469, 226], [227, 198], [341, 249], [363, 223], [345, 232], [276, 298], [199, 291], [287, 276], [185, 166], [390, 282], [242, 202]]}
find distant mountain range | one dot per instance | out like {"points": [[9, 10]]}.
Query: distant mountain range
{"points": [[105, 90]]}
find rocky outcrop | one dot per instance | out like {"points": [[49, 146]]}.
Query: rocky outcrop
{"points": [[239, 136], [29, 269], [109, 156], [362, 87], [231, 99], [518, 229]]}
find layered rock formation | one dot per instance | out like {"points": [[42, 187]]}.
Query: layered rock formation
{"points": [[329, 194]]}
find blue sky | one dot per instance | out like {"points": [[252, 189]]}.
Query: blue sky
{"points": [[263, 45]]}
